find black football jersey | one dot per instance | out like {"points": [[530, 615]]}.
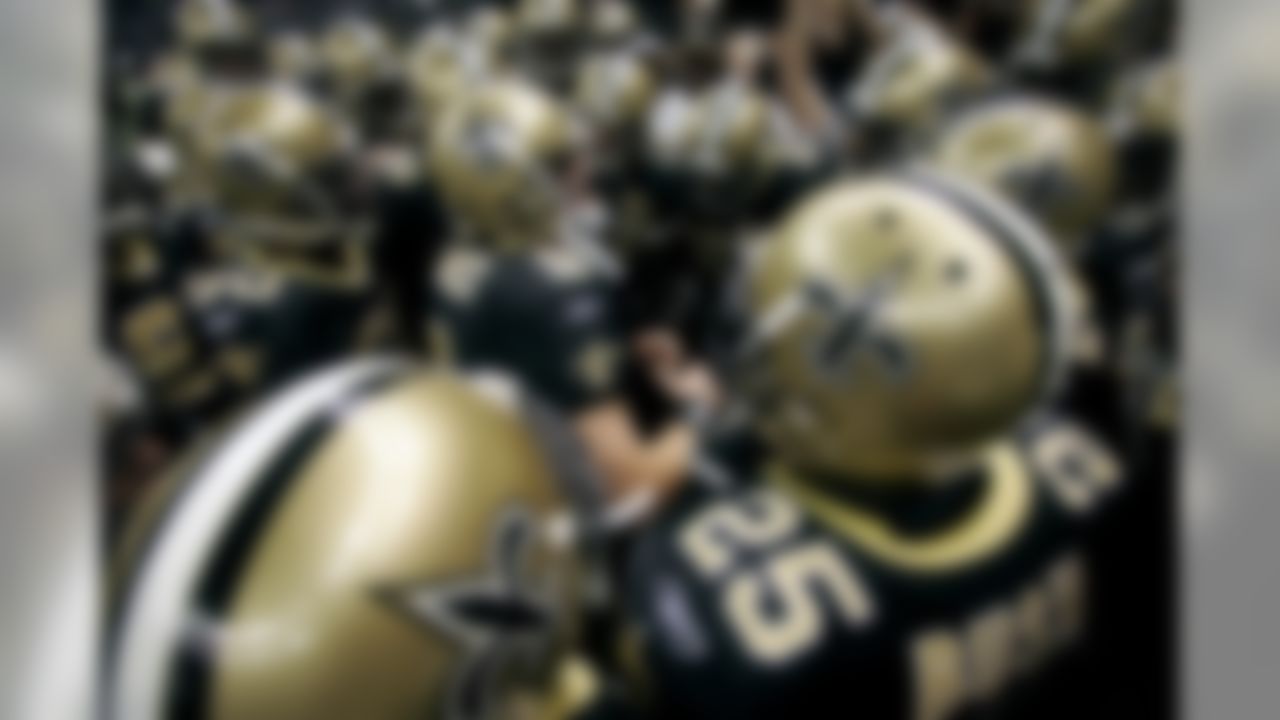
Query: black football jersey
{"points": [[158, 336], [787, 599], [269, 329], [544, 317]]}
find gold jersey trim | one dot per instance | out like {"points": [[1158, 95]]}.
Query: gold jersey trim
{"points": [[1002, 514]]}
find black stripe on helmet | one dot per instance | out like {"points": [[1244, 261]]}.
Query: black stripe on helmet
{"points": [[195, 660]]}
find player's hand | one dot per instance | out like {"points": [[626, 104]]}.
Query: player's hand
{"points": [[693, 385]]}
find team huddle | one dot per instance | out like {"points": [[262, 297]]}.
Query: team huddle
{"points": [[601, 359]]}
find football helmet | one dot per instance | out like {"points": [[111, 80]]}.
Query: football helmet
{"points": [[1148, 101], [131, 255], [693, 54], [897, 324], [221, 37], [357, 55], [612, 23], [285, 182], [911, 84], [989, 26], [700, 21], [546, 18], [729, 133], [200, 24], [294, 58], [614, 92], [728, 145], [549, 36], [435, 67], [190, 104], [157, 341], [181, 90], [1061, 34], [500, 158], [1054, 160], [1145, 120], [490, 34], [374, 542]]}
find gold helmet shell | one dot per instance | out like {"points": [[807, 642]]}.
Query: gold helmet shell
{"points": [[267, 144], [491, 31], [549, 39], [498, 158], [612, 22], [204, 23], [615, 91], [547, 18], [356, 54], [435, 67], [1075, 33], [896, 325], [1147, 102], [283, 177], [1145, 121], [184, 91], [1054, 160], [293, 57], [914, 81], [374, 542], [731, 131]]}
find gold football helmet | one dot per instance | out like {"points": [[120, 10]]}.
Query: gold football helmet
{"points": [[294, 57], [612, 23], [200, 24], [1148, 101], [283, 177], [549, 36], [898, 324], [546, 18], [731, 136], [374, 542], [183, 91], [221, 39], [1057, 162], [499, 157], [356, 55], [1145, 120], [191, 103], [1075, 33], [435, 67], [913, 83], [615, 91], [490, 33]]}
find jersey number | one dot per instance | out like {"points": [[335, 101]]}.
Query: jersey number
{"points": [[1079, 469], [780, 605]]}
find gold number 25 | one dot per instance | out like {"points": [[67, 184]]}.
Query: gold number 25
{"points": [[781, 606]]}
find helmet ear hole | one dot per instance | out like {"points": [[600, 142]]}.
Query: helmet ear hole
{"points": [[956, 272], [887, 221]]}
